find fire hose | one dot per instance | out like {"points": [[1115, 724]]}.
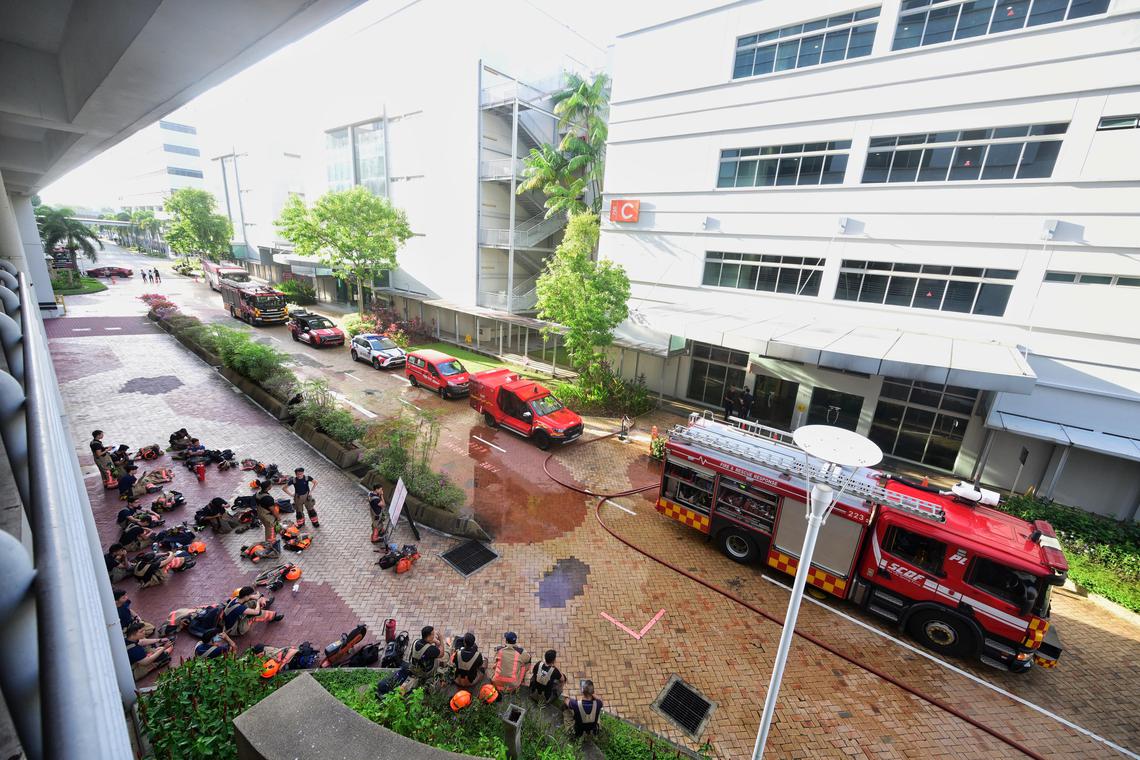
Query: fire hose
{"points": [[934, 701]]}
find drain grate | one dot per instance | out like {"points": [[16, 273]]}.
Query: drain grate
{"points": [[684, 707], [469, 557]]}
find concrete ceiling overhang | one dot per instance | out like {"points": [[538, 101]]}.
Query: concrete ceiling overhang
{"points": [[77, 77]]}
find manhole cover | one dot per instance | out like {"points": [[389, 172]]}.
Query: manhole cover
{"points": [[684, 707], [469, 557]]}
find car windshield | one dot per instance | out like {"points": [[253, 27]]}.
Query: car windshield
{"points": [[320, 323], [236, 276], [269, 302], [382, 344], [449, 368], [545, 405]]}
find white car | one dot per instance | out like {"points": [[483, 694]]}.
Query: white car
{"points": [[378, 350]]}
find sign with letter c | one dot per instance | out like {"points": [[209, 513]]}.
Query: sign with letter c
{"points": [[624, 210]]}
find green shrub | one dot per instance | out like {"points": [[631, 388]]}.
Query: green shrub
{"points": [[433, 487], [341, 426], [354, 325], [255, 361], [621, 741], [181, 323], [281, 384], [402, 447], [319, 408], [600, 390], [298, 291], [1103, 554]]}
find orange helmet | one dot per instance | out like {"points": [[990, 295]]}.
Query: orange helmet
{"points": [[253, 484], [270, 669], [196, 547], [488, 693], [293, 573], [460, 700]]}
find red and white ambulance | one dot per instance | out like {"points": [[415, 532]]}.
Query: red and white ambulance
{"points": [[962, 578]]}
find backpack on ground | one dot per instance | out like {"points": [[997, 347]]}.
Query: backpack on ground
{"points": [[153, 451], [394, 651], [367, 655], [307, 657], [392, 681], [389, 560], [295, 540], [286, 506], [206, 624]]}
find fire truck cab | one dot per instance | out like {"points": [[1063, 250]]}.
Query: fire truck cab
{"points": [[253, 302], [963, 579], [523, 407]]}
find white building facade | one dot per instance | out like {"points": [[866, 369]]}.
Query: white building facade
{"points": [[170, 159], [917, 220]]}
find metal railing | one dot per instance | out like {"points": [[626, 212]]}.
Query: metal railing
{"points": [[500, 168], [63, 666], [527, 234]]}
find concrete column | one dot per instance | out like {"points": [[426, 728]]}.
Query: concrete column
{"points": [[979, 473], [1057, 456], [1058, 467]]}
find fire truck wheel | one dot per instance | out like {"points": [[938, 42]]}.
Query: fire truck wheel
{"points": [[488, 418], [542, 440], [233, 313], [943, 631], [738, 546]]}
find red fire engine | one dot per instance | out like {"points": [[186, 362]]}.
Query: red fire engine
{"points": [[963, 579], [253, 302]]}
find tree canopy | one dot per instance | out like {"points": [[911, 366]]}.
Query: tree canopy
{"points": [[587, 297], [353, 232], [194, 227], [57, 227]]}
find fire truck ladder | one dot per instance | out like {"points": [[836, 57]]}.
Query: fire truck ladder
{"points": [[800, 466]]}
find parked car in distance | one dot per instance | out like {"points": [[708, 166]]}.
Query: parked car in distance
{"points": [[110, 272], [523, 407], [439, 372], [378, 350], [314, 329]]}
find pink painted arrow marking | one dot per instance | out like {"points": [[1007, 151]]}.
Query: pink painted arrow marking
{"points": [[632, 632]]}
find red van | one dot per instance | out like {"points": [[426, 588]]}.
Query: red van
{"points": [[437, 372]]}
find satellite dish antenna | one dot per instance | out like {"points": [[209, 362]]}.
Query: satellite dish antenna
{"points": [[838, 446]]}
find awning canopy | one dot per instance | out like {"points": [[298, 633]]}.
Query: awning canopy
{"points": [[871, 350], [306, 266], [1066, 435]]}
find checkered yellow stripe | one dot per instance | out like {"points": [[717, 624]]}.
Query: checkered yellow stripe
{"points": [[1035, 633], [824, 580], [1045, 662], [684, 515]]}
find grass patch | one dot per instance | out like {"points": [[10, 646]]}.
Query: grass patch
{"points": [[1103, 554], [86, 285], [472, 361]]}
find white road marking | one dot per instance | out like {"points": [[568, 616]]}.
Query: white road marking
{"points": [[351, 376], [112, 328], [275, 340], [409, 403], [619, 506], [397, 378], [357, 407], [81, 329], [500, 448], [959, 671]]}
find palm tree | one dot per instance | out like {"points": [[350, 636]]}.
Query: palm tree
{"points": [[143, 222], [57, 226], [548, 170], [582, 107]]}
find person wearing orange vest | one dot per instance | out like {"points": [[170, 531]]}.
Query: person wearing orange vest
{"points": [[511, 663], [587, 711]]}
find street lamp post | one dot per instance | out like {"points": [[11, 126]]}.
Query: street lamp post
{"points": [[837, 448]]}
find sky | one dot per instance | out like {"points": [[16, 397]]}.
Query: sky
{"points": [[265, 86]]}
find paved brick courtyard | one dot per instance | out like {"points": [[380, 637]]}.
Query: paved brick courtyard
{"points": [[559, 570]]}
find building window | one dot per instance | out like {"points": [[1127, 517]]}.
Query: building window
{"points": [[1118, 122], [929, 22], [793, 275], [179, 172], [966, 290], [922, 422], [184, 150], [371, 164], [173, 127], [819, 163], [1024, 152], [1078, 278], [338, 159], [713, 371], [824, 40]]}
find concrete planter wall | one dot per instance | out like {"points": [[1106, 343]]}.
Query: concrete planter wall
{"points": [[343, 456], [212, 359], [425, 514]]}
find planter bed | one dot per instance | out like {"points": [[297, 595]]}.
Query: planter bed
{"points": [[423, 513]]}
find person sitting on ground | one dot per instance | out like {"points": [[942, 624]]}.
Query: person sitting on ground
{"points": [[121, 457], [586, 709], [127, 615], [511, 662], [381, 520], [426, 656], [218, 645], [180, 439], [128, 482], [546, 680], [146, 654], [101, 454], [135, 538], [468, 661], [136, 514], [153, 568], [118, 566], [217, 516], [245, 609]]}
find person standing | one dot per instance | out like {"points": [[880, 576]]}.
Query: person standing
{"points": [[381, 521], [746, 399], [268, 512], [300, 489], [729, 403], [101, 454], [146, 277], [155, 275]]}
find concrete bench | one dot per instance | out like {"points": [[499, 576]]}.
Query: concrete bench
{"points": [[302, 721]]}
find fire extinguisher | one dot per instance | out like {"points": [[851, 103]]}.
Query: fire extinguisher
{"points": [[200, 471], [389, 630]]}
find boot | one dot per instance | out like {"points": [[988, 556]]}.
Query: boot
{"points": [[375, 535], [300, 521], [277, 617], [316, 522]]}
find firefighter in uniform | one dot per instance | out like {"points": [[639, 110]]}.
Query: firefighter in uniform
{"points": [[546, 679], [468, 663], [586, 709], [426, 657], [511, 663]]}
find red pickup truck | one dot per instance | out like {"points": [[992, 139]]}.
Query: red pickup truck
{"points": [[523, 407]]}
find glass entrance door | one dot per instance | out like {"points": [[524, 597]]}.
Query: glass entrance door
{"points": [[834, 408], [773, 402]]}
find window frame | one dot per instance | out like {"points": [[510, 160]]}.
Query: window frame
{"points": [[864, 272], [780, 40], [767, 163], [766, 268], [919, 13], [890, 546]]}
